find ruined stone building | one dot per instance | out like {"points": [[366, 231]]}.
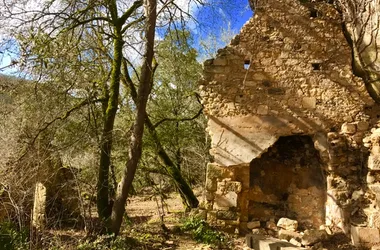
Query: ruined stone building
{"points": [[294, 132]]}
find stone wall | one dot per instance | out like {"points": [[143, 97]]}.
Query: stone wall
{"points": [[288, 73]]}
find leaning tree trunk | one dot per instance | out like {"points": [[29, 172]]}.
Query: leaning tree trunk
{"points": [[187, 194], [135, 148], [188, 197]]}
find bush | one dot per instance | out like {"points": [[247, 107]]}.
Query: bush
{"points": [[11, 238], [202, 231]]}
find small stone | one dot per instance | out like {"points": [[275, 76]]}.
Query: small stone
{"points": [[348, 128], [287, 224], [253, 224]]}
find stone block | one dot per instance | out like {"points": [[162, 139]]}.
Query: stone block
{"points": [[211, 217], [233, 186], [287, 224], [209, 196], [220, 61], [259, 231], [259, 76], [309, 102], [226, 200], [348, 128], [271, 225], [310, 237], [260, 242], [217, 69], [211, 185], [295, 242], [262, 110], [374, 162], [253, 224], [250, 83], [276, 91], [362, 126], [374, 219], [364, 236], [287, 235]]}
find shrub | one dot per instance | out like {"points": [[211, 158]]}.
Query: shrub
{"points": [[202, 231], [11, 238]]}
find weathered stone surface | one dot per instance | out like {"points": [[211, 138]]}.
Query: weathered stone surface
{"points": [[295, 242], [348, 128], [374, 219], [227, 215], [313, 236], [309, 102], [253, 224], [364, 236], [287, 235], [39, 206], [220, 62], [374, 162], [271, 225], [362, 126], [236, 140], [262, 110], [259, 242], [226, 200], [287, 224], [289, 75]]}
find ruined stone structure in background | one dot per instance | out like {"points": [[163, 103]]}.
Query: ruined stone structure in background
{"points": [[287, 119]]}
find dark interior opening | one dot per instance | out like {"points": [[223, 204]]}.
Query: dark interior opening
{"points": [[316, 66], [287, 181], [313, 13], [247, 64]]}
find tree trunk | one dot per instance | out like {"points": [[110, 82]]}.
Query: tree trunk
{"points": [[135, 148], [103, 205], [188, 198], [187, 194], [362, 30]]}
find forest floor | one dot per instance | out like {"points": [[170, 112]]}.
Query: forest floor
{"points": [[144, 230]]}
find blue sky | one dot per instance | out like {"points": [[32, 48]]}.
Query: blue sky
{"points": [[221, 16], [213, 18]]}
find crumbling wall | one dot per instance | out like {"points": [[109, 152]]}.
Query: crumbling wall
{"points": [[287, 73]]}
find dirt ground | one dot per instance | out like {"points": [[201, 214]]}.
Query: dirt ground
{"points": [[145, 214], [144, 230]]}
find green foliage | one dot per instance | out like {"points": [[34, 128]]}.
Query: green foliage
{"points": [[11, 238], [174, 106], [202, 232], [106, 242]]}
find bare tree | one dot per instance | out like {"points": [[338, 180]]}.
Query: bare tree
{"points": [[362, 22]]}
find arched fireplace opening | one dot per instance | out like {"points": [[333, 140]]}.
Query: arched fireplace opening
{"points": [[288, 181]]}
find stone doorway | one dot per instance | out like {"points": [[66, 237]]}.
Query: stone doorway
{"points": [[288, 181]]}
